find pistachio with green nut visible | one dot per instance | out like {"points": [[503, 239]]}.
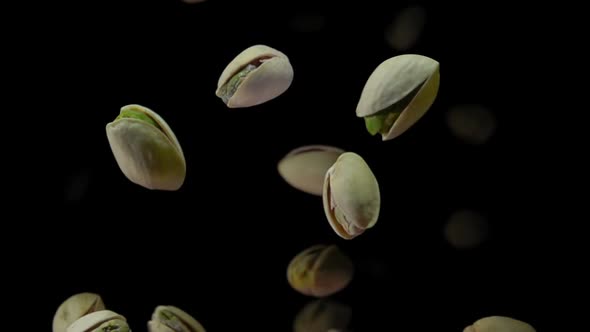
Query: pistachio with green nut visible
{"points": [[322, 316], [304, 168], [255, 76], [398, 93], [74, 307], [351, 196], [172, 319], [146, 149], [499, 324], [100, 321], [320, 271]]}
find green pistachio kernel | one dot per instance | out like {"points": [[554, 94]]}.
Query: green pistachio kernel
{"points": [[132, 114]]}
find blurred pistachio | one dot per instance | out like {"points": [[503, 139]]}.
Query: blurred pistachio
{"points": [[322, 316], [406, 28], [146, 150], [74, 307], [351, 196], [466, 229], [255, 76], [473, 124], [304, 168], [499, 324], [398, 93], [172, 319], [100, 321], [320, 271]]}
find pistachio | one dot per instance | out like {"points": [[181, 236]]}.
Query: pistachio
{"points": [[255, 76], [146, 149], [100, 321], [304, 168], [173, 319], [74, 307], [499, 324], [320, 271], [322, 316], [398, 93], [351, 196]]}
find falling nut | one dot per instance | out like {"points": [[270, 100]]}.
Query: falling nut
{"points": [[146, 150], [351, 196], [499, 324], [398, 93], [74, 307], [322, 316], [320, 271], [100, 321], [304, 168], [255, 76], [172, 319]]}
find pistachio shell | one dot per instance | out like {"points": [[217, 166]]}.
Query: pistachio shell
{"points": [[304, 168], [75, 307], [93, 320], [351, 196], [320, 271], [271, 77], [499, 324], [409, 81], [322, 316], [147, 156], [181, 321]]}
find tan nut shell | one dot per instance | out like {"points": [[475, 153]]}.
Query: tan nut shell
{"points": [[93, 320], [304, 168], [75, 307], [392, 80], [147, 156], [320, 271], [322, 316], [351, 187], [154, 325], [499, 324], [271, 79]]}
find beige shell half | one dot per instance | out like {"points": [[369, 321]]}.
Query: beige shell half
{"points": [[93, 320], [395, 78], [154, 325], [75, 307], [499, 324], [271, 79], [147, 156], [351, 188], [304, 168]]}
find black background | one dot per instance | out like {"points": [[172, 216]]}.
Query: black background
{"points": [[219, 247]]}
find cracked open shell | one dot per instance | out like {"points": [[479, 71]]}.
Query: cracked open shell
{"points": [[351, 196], [146, 149], [320, 271], [100, 321], [499, 324], [168, 318], [74, 307], [304, 168], [255, 76], [398, 93]]}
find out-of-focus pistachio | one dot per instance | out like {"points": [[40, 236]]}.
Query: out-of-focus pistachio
{"points": [[172, 319], [255, 76], [398, 93], [499, 324], [100, 321], [406, 28], [322, 316], [74, 307], [320, 271], [304, 168], [466, 229], [351, 196], [473, 124], [146, 149]]}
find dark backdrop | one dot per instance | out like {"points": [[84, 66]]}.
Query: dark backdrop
{"points": [[219, 246]]}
